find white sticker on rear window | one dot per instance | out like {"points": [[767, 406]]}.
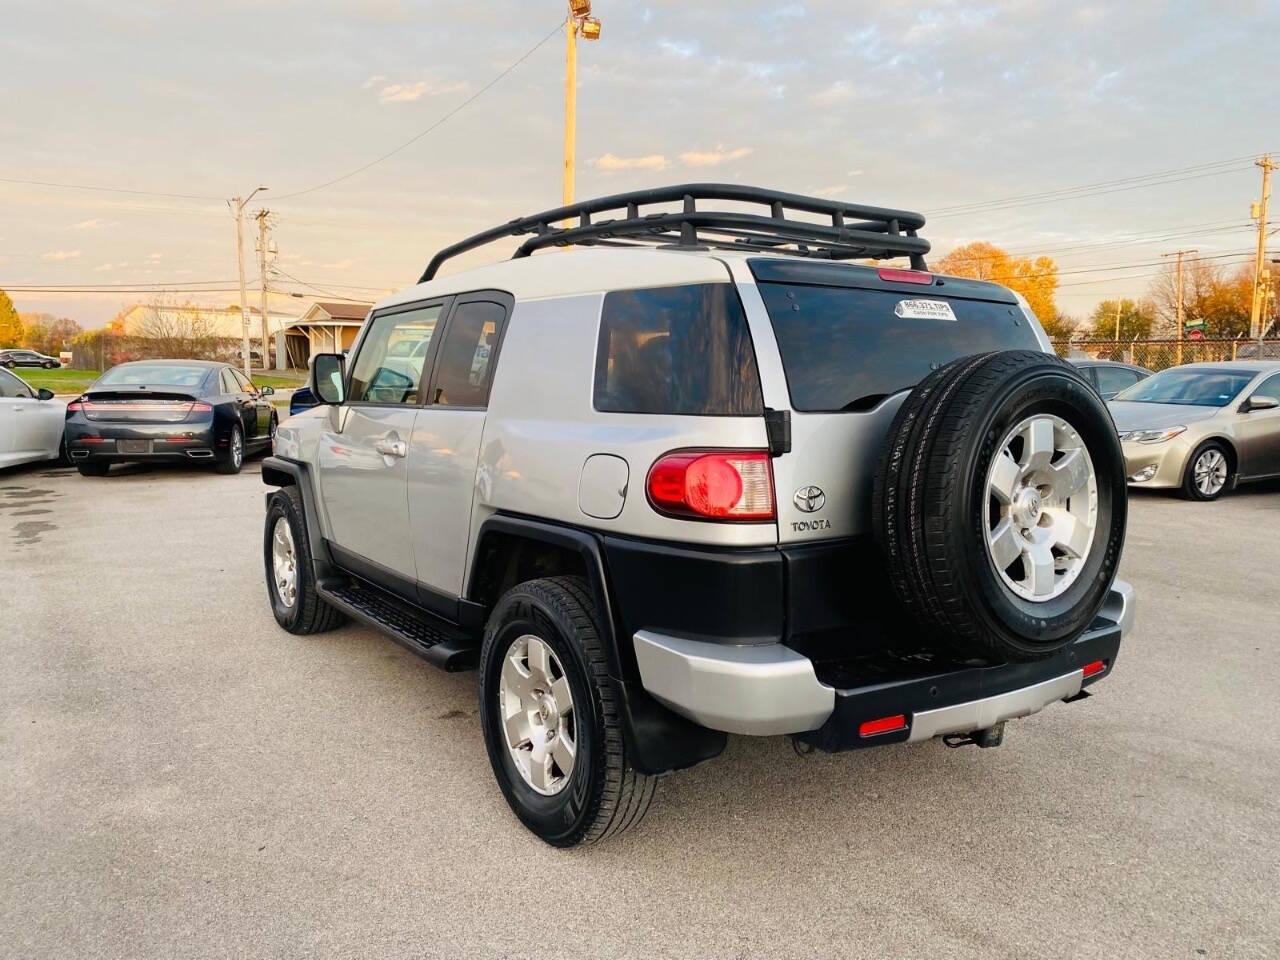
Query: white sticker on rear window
{"points": [[924, 310]]}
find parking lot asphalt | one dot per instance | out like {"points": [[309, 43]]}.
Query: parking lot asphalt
{"points": [[181, 778]]}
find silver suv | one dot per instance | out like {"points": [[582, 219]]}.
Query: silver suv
{"points": [[696, 476]]}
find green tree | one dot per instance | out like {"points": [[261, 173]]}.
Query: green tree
{"points": [[10, 323], [1137, 319]]}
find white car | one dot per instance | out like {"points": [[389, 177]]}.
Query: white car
{"points": [[30, 422]]}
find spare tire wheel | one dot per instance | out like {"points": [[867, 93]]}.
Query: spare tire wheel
{"points": [[1000, 504]]}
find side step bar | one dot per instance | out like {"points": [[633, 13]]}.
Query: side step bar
{"points": [[437, 641]]}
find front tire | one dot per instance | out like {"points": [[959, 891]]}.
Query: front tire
{"points": [[291, 580], [550, 717], [1208, 475], [234, 459]]}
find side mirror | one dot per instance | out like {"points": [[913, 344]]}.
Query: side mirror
{"points": [[267, 391], [44, 393], [1260, 401], [326, 378]]}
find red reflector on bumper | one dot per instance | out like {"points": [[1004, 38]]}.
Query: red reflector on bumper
{"points": [[884, 725], [91, 440], [1092, 669]]}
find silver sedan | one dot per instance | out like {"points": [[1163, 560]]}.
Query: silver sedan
{"points": [[1201, 428]]}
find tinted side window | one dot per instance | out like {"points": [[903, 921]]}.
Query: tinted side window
{"points": [[388, 369], [467, 354], [847, 348], [676, 350], [1269, 387], [1115, 379], [246, 386], [229, 384], [11, 387]]}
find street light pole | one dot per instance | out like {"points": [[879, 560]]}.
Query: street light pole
{"points": [[578, 21], [237, 205]]}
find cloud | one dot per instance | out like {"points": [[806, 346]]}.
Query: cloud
{"points": [[652, 161], [376, 79], [682, 49], [713, 158], [154, 257], [343, 264], [409, 92], [88, 224], [830, 191], [104, 267], [837, 92], [60, 255], [854, 173]]}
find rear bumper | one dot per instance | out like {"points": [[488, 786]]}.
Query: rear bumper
{"points": [[771, 689], [119, 442]]}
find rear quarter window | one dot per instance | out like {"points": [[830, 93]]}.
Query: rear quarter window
{"points": [[848, 348], [676, 350]]}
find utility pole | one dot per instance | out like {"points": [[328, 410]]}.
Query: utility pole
{"points": [[1261, 273], [237, 208], [261, 217], [579, 20], [1117, 319], [1179, 254]]}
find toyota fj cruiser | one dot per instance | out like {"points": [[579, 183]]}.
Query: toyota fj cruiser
{"points": [[698, 476]]}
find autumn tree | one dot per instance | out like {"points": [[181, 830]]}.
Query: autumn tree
{"points": [[1036, 280], [1210, 293], [177, 330], [47, 333], [10, 323], [1137, 319]]}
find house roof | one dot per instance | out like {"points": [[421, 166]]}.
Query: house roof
{"points": [[342, 311]]}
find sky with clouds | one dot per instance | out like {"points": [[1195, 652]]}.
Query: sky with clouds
{"points": [[945, 108]]}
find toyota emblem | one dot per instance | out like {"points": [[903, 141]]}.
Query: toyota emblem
{"points": [[809, 499]]}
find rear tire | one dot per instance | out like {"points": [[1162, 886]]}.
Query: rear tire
{"points": [[93, 468], [296, 604], [1000, 503], [1209, 473], [601, 795], [234, 458]]}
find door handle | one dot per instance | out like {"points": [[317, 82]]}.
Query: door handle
{"points": [[392, 448]]}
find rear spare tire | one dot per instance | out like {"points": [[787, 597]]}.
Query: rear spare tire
{"points": [[1000, 504]]}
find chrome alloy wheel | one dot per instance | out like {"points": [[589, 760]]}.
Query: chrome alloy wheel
{"points": [[1042, 507], [1210, 472], [538, 719], [237, 449], [284, 562]]}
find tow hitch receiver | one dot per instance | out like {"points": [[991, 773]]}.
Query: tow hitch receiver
{"points": [[991, 737]]}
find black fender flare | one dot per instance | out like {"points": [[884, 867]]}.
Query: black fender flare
{"points": [[280, 472], [658, 739]]}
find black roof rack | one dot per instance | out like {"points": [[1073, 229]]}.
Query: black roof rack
{"points": [[854, 230]]}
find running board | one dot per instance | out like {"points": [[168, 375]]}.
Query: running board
{"points": [[418, 631]]}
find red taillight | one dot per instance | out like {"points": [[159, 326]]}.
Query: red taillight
{"points": [[884, 725], [75, 406], [1093, 669], [178, 439], [722, 485], [200, 408], [91, 440], [906, 276]]}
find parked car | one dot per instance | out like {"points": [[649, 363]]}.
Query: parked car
{"points": [[190, 410], [1110, 377], [27, 358], [301, 399], [1202, 428], [30, 422], [658, 496]]}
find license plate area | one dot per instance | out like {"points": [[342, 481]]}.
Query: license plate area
{"points": [[133, 446]]}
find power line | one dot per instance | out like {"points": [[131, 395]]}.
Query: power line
{"points": [[84, 186], [312, 286], [1196, 168], [418, 136]]}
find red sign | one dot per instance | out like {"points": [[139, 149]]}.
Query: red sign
{"points": [[1195, 334]]}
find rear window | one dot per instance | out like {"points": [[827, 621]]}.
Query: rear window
{"points": [[847, 348], [153, 375], [676, 350]]}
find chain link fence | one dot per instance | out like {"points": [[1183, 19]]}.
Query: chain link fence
{"points": [[1160, 354]]}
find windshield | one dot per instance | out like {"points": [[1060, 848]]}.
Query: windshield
{"points": [[1197, 388], [153, 375]]}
